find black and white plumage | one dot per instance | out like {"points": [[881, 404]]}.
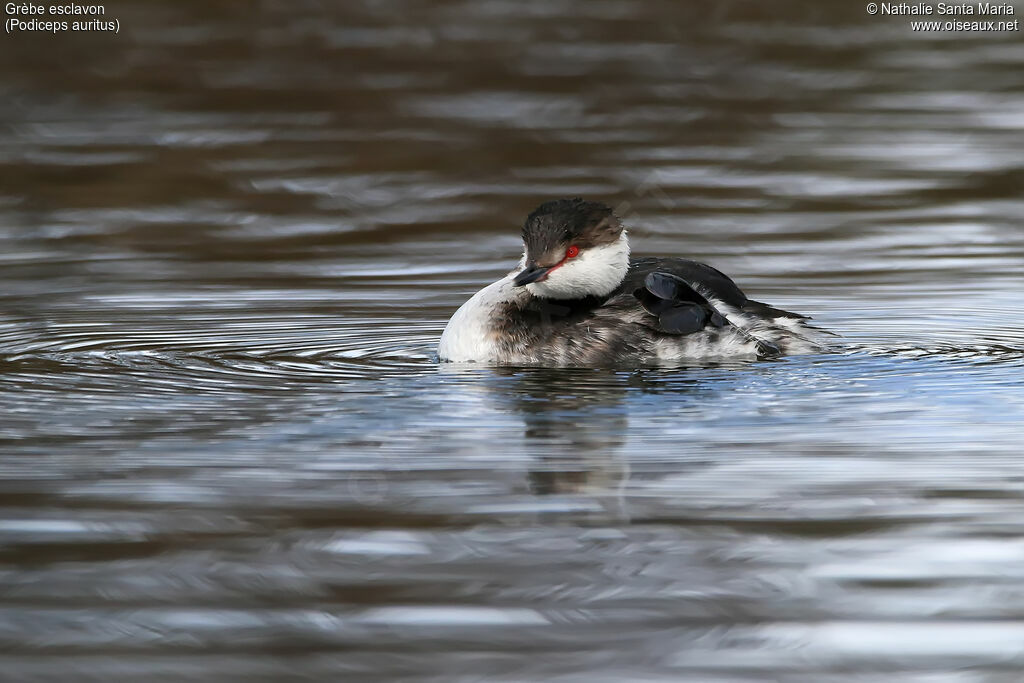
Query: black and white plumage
{"points": [[578, 299]]}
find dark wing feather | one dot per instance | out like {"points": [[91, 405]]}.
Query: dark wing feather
{"points": [[766, 311], [681, 309], [683, 319], [672, 288], [713, 281]]}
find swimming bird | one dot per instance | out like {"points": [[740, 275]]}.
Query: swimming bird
{"points": [[578, 299]]}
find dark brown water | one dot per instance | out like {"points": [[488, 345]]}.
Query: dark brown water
{"points": [[230, 237]]}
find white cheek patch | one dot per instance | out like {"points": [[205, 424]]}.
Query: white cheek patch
{"points": [[595, 272]]}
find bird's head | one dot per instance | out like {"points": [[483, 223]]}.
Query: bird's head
{"points": [[573, 248]]}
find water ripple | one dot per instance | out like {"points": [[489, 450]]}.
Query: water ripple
{"points": [[231, 241]]}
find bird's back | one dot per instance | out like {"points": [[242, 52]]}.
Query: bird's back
{"points": [[617, 329]]}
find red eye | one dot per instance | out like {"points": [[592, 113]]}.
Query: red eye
{"points": [[572, 251]]}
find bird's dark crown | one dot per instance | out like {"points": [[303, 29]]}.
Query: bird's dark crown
{"points": [[557, 224]]}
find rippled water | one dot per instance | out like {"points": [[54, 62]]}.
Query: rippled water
{"points": [[232, 235]]}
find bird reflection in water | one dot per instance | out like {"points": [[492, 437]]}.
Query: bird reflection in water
{"points": [[575, 426]]}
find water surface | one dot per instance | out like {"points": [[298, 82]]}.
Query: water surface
{"points": [[232, 236]]}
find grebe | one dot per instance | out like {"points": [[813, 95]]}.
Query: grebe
{"points": [[578, 299]]}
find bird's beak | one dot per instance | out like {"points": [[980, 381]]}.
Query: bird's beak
{"points": [[531, 273]]}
